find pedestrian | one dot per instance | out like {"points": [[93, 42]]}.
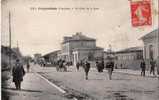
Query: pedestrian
{"points": [[60, 65], [77, 66], [98, 66], [157, 64], [65, 66], [18, 72], [152, 68], [110, 67], [44, 63], [121, 66], [143, 67], [116, 66], [86, 69], [28, 66], [102, 65]]}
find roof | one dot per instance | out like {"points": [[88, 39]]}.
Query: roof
{"points": [[131, 49], [99, 48], [51, 53], [85, 48], [151, 34], [107, 52], [78, 37]]}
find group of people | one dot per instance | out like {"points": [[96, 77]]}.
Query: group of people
{"points": [[110, 67], [152, 63], [100, 67], [61, 65], [18, 71]]}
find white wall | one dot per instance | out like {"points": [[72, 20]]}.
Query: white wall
{"points": [[147, 43]]}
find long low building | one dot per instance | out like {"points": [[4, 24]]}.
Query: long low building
{"points": [[51, 57], [128, 58]]}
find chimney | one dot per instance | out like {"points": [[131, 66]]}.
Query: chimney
{"points": [[78, 33]]}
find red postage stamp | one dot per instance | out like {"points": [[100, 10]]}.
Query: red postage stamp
{"points": [[141, 13]]}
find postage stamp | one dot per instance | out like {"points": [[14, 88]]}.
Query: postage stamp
{"points": [[141, 13]]}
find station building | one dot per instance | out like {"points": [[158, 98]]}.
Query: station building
{"points": [[79, 47]]}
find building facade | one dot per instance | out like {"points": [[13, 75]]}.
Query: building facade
{"points": [[129, 58], [151, 45], [51, 57], [37, 57], [79, 47]]}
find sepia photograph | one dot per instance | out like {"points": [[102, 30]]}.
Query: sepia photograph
{"points": [[79, 49]]}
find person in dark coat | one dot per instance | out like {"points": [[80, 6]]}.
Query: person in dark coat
{"points": [[77, 65], [98, 66], [157, 65], [110, 67], [102, 65], [86, 68], [143, 67], [28, 66], [64, 66], [60, 65], [18, 72], [152, 69]]}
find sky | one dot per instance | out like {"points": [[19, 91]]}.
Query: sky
{"points": [[41, 31]]}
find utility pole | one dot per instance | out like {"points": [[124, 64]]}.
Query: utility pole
{"points": [[158, 30], [158, 40], [10, 39], [17, 44]]}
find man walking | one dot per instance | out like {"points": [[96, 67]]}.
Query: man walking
{"points": [[98, 66], [18, 73], [152, 64], [102, 65], [110, 67], [60, 65], [77, 66], [28, 66], [157, 64], [86, 68], [143, 67]]}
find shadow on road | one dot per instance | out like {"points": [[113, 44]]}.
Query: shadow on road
{"points": [[7, 93], [117, 96], [22, 90]]}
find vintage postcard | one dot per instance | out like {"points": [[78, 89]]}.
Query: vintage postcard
{"points": [[80, 49]]}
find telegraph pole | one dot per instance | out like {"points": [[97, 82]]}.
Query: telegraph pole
{"points": [[158, 31], [17, 44], [158, 40], [10, 39]]}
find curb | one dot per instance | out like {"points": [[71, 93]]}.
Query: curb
{"points": [[52, 84]]}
